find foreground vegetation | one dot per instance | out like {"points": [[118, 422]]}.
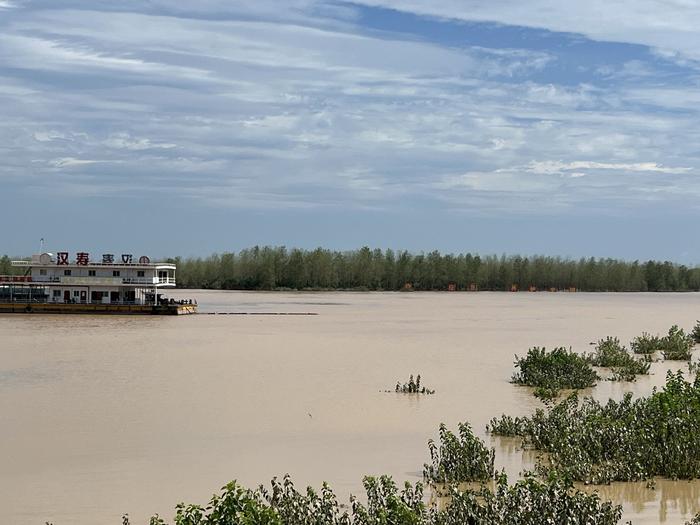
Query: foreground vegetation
{"points": [[584, 441], [527, 502], [676, 345], [459, 458], [552, 371], [629, 440], [560, 369], [609, 353]]}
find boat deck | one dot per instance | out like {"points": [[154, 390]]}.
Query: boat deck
{"points": [[79, 308]]}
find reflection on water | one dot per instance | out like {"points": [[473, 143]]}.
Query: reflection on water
{"points": [[655, 505], [105, 415]]}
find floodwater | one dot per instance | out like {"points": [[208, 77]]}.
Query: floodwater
{"points": [[105, 415]]}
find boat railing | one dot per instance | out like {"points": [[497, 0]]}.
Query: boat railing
{"points": [[15, 278], [144, 280], [86, 281]]}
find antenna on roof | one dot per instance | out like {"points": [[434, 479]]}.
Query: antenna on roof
{"points": [[41, 247]]}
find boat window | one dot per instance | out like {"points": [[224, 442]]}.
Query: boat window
{"points": [[115, 273], [57, 293], [66, 272], [140, 273], [91, 273], [42, 271]]}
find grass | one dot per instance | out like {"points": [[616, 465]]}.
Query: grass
{"points": [[552, 371], [609, 353], [630, 440]]}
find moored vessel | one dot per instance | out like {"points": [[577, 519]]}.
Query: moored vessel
{"points": [[58, 284]]}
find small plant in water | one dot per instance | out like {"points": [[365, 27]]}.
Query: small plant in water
{"points": [[609, 353], [695, 334], [646, 344], [553, 371], [413, 387], [677, 345], [528, 502], [459, 458]]}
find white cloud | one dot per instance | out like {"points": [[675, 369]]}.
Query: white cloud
{"points": [[266, 113], [49, 136], [70, 162], [38, 53], [125, 141], [557, 167]]}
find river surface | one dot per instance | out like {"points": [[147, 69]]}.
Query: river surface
{"points": [[102, 415]]}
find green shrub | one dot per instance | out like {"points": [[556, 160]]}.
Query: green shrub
{"points": [[413, 387], [694, 521], [527, 502], [459, 458], [677, 345], [646, 344], [695, 334], [609, 353], [552, 371], [628, 440]]}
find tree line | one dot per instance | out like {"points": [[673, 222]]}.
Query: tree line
{"points": [[274, 268], [271, 268]]}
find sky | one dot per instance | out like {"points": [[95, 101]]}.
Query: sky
{"points": [[188, 128]]}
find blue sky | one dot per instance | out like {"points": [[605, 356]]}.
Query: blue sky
{"points": [[519, 127]]}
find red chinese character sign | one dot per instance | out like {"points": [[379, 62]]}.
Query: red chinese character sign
{"points": [[82, 258], [62, 258]]}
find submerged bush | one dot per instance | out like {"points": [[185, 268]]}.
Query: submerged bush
{"points": [[629, 440], [527, 502], [459, 458], [677, 345], [694, 521], [413, 387], [646, 344], [695, 334], [553, 371], [609, 353]]}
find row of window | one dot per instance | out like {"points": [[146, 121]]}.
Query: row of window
{"points": [[76, 293], [95, 296], [91, 273]]}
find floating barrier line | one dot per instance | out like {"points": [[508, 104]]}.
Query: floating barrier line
{"points": [[257, 313]]}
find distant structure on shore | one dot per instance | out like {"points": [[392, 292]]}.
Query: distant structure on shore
{"points": [[56, 284]]}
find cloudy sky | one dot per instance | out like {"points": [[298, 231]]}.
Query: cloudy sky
{"points": [[166, 127]]}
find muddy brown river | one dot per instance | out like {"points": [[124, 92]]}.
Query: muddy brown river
{"points": [[105, 415]]}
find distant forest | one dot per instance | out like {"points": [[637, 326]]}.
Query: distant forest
{"points": [[274, 268], [270, 268]]}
